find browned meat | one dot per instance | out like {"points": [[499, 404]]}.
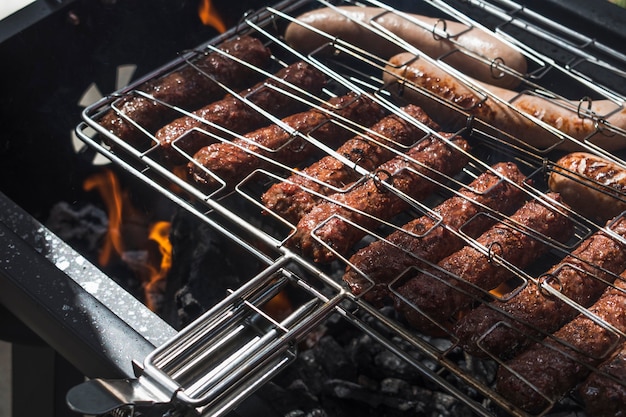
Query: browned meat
{"points": [[443, 292], [579, 276], [557, 364], [188, 87], [372, 200], [232, 161], [431, 238], [294, 197], [604, 395], [236, 116]]}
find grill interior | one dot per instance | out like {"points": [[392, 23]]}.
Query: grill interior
{"points": [[561, 63]]}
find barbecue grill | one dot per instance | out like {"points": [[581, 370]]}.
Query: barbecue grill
{"points": [[221, 358]]}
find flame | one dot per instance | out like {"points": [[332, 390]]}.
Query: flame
{"points": [[109, 188], [210, 17], [120, 242]]}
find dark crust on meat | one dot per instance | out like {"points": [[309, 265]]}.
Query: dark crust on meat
{"points": [[235, 115], [376, 199], [233, 161], [383, 260], [554, 368], [188, 88], [441, 302], [595, 255], [602, 395], [291, 200]]}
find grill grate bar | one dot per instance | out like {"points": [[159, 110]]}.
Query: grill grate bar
{"points": [[178, 367]]}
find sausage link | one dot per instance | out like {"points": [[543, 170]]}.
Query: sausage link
{"points": [[381, 261], [371, 200], [350, 24], [557, 364], [409, 77], [604, 392], [189, 87], [440, 295], [580, 276], [235, 115], [232, 161], [294, 197], [591, 185]]}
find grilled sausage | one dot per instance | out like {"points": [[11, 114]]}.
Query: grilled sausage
{"points": [[232, 161], [580, 276], [235, 115], [431, 238], [294, 197], [372, 200], [591, 185], [557, 364], [404, 71], [604, 392], [440, 295], [352, 24], [189, 87]]}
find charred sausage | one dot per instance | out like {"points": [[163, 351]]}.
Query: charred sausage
{"points": [[404, 70], [558, 363], [189, 87], [499, 328], [431, 238], [295, 197], [372, 200], [232, 161], [235, 115], [354, 25], [447, 290], [591, 185]]}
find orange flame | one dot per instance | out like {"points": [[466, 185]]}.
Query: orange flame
{"points": [[109, 188], [210, 17], [117, 243]]}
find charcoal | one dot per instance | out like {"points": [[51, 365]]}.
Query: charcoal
{"points": [[351, 391], [391, 364], [205, 265], [395, 386], [87, 225], [334, 359], [362, 351]]}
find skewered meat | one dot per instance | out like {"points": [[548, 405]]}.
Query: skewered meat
{"points": [[233, 114], [557, 364], [232, 161], [190, 87], [294, 197], [432, 237], [442, 292], [604, 395], [415, 174], [580, 276]]}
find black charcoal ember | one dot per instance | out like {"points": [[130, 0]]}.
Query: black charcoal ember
{"points": [[304, 368], [205, 265], [317, 412], [447, 405], [392, 365], [291, 400], [334, 359], [362, 350], [88, 224], [347, 390]]}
